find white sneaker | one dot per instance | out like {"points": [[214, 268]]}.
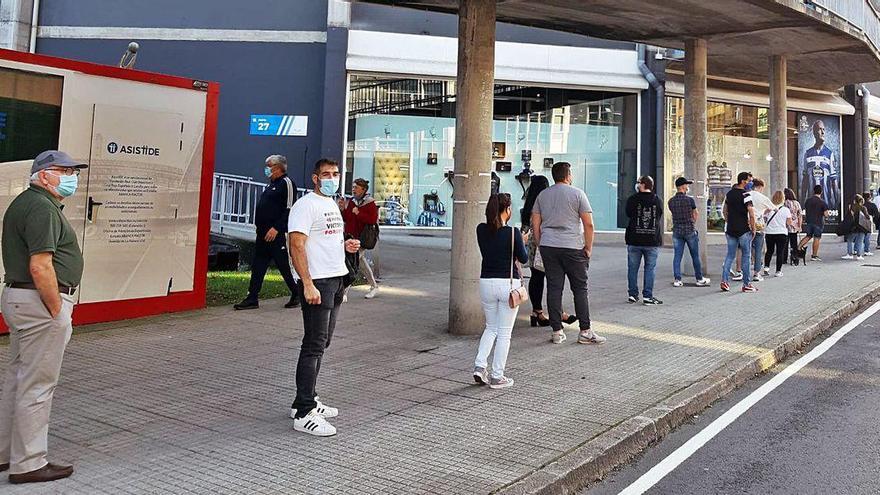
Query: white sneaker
{"points": [[502, 382], [322, 409], [590, 337], [778, 274], [847, 257], [677, 283], [345, 298], [869, 253], [704, 282], [860, 258], [736, 276], [757, 277], [558, 337], [372, 293], [765, 271], [314, 424]]}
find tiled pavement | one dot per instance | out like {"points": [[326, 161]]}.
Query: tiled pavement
{"points": [[198, 402]]}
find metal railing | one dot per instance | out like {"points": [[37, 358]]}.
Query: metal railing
{"points": [[234, 201], [862, 14]]}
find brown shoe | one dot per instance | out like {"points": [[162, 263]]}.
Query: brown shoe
{"points": [[49, 472], [4, 467]]}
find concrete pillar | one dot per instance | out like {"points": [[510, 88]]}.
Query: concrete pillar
{"points": [[696, 133], [15, 24], [473, 153], [778, 120]]}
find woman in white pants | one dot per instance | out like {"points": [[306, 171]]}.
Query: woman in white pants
{"points": [[499, 245]]}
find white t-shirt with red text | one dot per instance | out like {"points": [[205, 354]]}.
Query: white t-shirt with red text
{"points": [[319, 218]]}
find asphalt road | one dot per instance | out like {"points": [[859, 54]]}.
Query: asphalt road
{"points": [[817, 433]]}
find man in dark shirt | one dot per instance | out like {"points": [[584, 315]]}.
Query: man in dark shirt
{"points": [[739, 215], [643, 239], [814, 222], [271, 216], [684, 216]]}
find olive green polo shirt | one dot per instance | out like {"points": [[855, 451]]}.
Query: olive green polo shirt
{"points": [[33, 224]]}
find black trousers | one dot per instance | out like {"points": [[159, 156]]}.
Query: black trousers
{"points": [[265, 252], [560, 263], [319, 321], [536, 289], [778, 243]]}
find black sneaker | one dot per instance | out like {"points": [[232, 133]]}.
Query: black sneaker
{"points": [[247, 304], [632, 299], [815, 258], [292, 303], [651, 301]]}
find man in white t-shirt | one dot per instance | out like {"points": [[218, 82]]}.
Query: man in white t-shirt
{"points": [[318, 248]]}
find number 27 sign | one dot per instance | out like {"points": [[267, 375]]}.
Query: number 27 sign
{"points": [[279, 125]]}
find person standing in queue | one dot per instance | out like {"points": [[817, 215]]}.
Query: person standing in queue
{"points": [[273, 209], [318, 248], [44, 266]]}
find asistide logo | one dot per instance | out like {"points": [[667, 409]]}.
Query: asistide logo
{"points": [[130, 149]]}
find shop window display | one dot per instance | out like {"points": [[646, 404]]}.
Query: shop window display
{"points": [[738, 141], [404, 145]]}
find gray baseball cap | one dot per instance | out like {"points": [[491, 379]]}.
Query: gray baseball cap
{"points": [[55, 158]]}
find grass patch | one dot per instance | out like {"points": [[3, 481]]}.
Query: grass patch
{"points": [[226, 288]]}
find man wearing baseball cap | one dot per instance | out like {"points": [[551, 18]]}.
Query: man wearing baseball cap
{"points": [[684, 216], [44, 266]]}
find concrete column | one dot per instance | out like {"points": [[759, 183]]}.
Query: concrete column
{"points": [[696, 134], [473, 148], [778, 120], [15, 24]]}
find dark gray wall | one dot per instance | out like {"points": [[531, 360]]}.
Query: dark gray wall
{"points": [[306, 15], [373, 17], [272, 78]]}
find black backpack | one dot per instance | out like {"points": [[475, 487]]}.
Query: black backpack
{"points": [[369, 236]]}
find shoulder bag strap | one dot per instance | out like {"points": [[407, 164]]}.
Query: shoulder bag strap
{"points": [[512, 242], [773, 215]]}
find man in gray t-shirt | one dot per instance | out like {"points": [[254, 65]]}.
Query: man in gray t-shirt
{"points": [[562, 223], [560, 208]]}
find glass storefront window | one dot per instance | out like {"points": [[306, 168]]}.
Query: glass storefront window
{"points": [[738, 141], [402, 137]]}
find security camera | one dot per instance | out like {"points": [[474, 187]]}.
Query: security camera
{"points": [[130, 56]]}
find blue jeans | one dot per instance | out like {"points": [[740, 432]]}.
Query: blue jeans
{"points": [[744, 243], [757, 251], [634, 260], [867, 243], [693, 244], [855, 243]]}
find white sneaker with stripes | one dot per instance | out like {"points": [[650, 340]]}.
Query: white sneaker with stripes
{"points": [[314, 424], [321, 408]]}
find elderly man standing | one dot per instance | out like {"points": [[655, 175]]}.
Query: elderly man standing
{"points": [[270, 219], [44, 265]]}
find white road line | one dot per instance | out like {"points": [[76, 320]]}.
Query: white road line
{"points": [[667, 465]]}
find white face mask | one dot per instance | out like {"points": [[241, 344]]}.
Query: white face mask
{"points": [[637, 187]]}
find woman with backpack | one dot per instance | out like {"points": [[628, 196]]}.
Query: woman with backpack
{"points": [[797, 218], [360, 214], [777, 224], [855, 226]]}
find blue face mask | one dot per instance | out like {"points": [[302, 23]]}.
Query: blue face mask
{"points": [[749, 185], [68, 185], [329, 186], [268, 172]]}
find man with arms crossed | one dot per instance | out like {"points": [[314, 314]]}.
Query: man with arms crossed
{"points": [[562, 223], [44, 266], [318, 249]]}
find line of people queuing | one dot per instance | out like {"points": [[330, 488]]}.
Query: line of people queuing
{"points": [[556, 243]]}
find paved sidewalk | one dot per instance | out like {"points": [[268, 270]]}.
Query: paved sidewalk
{"points": [[198, 402]]}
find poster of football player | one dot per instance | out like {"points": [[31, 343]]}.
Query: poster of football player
{"points": [[819, 160]]}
